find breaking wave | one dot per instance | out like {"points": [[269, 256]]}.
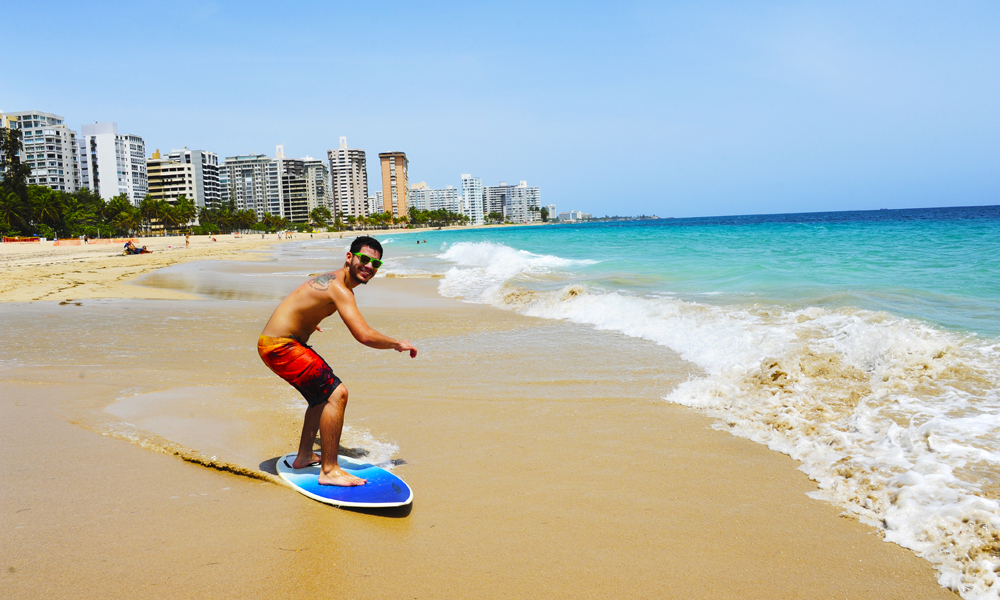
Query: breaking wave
{"points": [[896, 421]]}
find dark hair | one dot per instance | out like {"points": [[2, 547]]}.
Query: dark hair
{"points": [[364, 240]]}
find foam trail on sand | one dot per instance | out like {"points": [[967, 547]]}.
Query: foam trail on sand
{"points": [[897, 421]]}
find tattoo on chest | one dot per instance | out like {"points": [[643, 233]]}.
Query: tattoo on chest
{"points": [[322, 282]]}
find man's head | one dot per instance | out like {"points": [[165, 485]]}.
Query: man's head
{"points": [[361, 262], [364, 240]]}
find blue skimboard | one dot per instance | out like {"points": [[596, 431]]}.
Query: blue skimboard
{"points": [[383, 489]]}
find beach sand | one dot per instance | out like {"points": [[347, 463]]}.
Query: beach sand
{"points": [[543, 461]]}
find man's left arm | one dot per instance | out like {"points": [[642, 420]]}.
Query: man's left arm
{"points": [[359, 328]]}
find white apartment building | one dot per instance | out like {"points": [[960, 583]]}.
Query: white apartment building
{"points": [[349, 179], [517, 203], [318, 193], [472, 199], [50, 149], [170, 179], [379, 205], [252, 182], [574, 215], [553, 215], [424, 198], [113, 164], [205, 170], [294, 195]]}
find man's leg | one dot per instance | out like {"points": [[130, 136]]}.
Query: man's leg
{"points": [[331, 424], [306, 455]]}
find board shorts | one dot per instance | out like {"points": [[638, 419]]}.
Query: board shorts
{"points": [[299, 365]]}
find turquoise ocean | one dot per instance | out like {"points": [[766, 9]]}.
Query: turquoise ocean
{"points": [[865, 345]]}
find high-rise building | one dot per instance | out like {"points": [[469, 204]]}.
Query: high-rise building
{"points": [[294, 188], [517, 203], [113, 164], [379, 205], [318, 184], [50, 149], [169, 179], [553, 215], [395, 182], [424, 198], [252, 182], [472, 198], [349, 179], [205, 169]]}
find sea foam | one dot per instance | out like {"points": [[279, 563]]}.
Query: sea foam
{"points": [[895, 420]]}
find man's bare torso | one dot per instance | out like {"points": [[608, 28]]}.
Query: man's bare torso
{"points": [[301, 312]]}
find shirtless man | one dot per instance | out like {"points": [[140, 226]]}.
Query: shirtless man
{"points": [[282, 347]]}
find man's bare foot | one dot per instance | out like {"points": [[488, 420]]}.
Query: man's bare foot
{"points": [[340, 477], [309, 460]]}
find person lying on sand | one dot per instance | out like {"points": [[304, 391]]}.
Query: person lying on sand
{"points": [[131, 249], [283, 348]]}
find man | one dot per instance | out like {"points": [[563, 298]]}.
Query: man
{"points": [[282, 347]]}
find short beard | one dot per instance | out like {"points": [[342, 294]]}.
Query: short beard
{"points": [[356, 278]]}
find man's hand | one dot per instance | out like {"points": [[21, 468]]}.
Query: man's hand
{"points": [[403, 346]]}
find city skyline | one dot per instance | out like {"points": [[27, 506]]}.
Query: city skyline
{"points": [[641, 108]]}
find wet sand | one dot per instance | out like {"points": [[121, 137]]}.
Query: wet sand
{"points": [[543, 461]]}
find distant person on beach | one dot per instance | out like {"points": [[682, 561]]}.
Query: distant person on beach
{"points": [[130, 248], [283, 348]]}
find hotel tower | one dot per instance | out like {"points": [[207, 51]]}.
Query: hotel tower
{"points": [[395, 183]]}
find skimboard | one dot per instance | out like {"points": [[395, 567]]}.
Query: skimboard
{"points": [[383, 489]]}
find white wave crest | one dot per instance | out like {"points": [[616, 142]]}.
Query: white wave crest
{"points": [[483, 267]]}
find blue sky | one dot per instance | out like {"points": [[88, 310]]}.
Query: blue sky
{"points": [[669, 108]]}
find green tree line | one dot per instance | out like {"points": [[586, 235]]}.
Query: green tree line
{"points": [[435, 218]]}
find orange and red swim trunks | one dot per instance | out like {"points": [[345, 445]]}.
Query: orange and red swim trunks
{"points": [[299, 365]]}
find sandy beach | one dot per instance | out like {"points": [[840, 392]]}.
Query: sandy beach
{"points": [[543, 460]]}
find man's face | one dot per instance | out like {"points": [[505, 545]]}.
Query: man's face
{"points": [[360, 272]]}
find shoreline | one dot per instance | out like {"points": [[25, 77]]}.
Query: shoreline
{"points": [[561, 474], [42, 271]]}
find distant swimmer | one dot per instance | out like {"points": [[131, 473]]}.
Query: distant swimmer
{"points": [[283, 348]]}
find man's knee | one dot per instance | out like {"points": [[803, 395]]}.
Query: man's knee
{"points": [[339, 395]]}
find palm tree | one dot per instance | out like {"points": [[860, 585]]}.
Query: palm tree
{"points": [[244, 219], [169, 216], [185, 210], [47, 206], [128, 221], [320, 215], [13, 211], [13, 174]]}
